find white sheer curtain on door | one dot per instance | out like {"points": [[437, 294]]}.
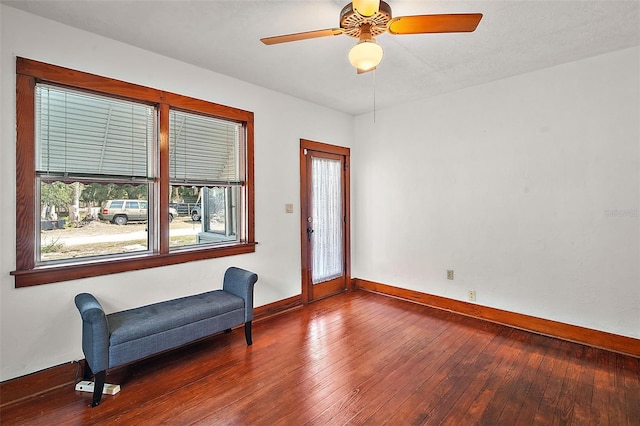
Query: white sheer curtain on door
{"points": [[327, 217]]}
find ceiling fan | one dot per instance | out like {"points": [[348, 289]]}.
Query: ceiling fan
{"points": [[366, 19]]}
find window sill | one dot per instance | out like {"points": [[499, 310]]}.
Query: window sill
{"points": [[58, 273]]}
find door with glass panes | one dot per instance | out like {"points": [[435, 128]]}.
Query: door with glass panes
{"points": [[324, 219]]}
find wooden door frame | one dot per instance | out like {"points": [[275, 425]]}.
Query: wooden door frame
{"points": [[304, 203]]}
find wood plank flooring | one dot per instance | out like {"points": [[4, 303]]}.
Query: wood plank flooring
{"points": [[361, 359]]}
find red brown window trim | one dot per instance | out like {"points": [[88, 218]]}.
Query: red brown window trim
{"points": [[27, 273]]}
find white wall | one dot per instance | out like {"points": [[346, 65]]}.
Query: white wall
{"points": [[40, 326], [528, 188]]}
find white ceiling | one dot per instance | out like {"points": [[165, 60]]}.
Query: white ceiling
{"points": [[513, 37]]}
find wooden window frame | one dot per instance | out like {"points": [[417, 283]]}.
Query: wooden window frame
{"points": [[28, 272]]}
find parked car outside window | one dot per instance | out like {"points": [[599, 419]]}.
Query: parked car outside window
{"points": [[121, 212]]}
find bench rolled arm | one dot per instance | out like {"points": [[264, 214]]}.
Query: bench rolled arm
{"points": [[95, 332], [240, 282]]}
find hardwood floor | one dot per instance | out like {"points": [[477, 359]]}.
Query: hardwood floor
{"points": [[361, 358]]}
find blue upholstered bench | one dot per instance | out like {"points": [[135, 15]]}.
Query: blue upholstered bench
{"points": [[123, 337]]}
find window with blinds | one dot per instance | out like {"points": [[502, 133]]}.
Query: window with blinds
{"points": [[93, 162], [206, 154], [113, 176]]}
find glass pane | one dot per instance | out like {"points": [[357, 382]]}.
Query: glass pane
{"points": [[88, 219], [88, 134], [205, 215], [327, 240]]}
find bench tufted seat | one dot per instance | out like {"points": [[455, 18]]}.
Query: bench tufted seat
{"points": [[147, 330]]}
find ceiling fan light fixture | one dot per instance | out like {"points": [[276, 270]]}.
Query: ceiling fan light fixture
{"points": [[366, 8], [366, 55]]}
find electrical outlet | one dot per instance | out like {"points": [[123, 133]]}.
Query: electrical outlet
{"points": [[449, 274], [472, 295]]}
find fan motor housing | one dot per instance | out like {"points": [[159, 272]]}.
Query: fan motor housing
{"points": [[350, 20]]}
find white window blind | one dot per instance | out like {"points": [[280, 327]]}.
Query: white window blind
{"points": [[204, 150], [82, 134]]}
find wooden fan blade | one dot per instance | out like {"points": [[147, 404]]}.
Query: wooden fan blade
{"points": [[421, 24], [302, 36]]}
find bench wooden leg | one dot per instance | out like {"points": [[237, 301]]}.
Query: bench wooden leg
{"points": [[98, 386], [247, 332]]}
